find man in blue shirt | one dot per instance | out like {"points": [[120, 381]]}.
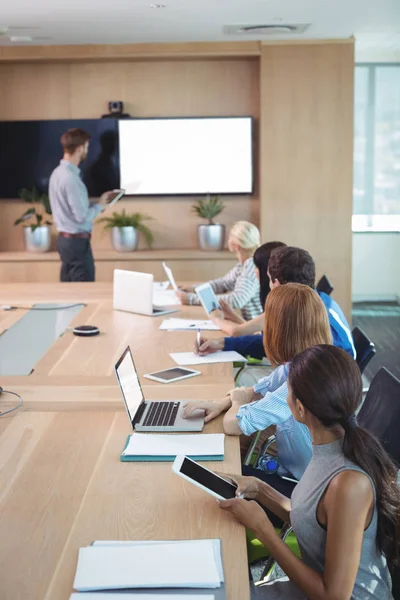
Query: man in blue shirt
{"points": [[73, 213], [288, 265]]}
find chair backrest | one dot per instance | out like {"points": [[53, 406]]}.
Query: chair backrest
{"points": [[380, 413], [365, 348], [324, 285]]}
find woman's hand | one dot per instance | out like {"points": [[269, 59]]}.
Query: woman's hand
{"points": [[209, 346], [247, 487], [212, 409], [241, 395], [250, 514], [229, 313], [183, 297], [186, 288]]}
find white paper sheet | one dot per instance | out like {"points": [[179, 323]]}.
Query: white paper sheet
{"points": [[118, 596], [191, 565], [147, 444], [215, 542], [187, 324], [190, 358], [165, 298], [160, 286]]}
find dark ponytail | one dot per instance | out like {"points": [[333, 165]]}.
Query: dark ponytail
{"points": [[328, 383], [261, 259]]}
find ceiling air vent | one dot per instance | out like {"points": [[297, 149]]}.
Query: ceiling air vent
{"points": [[267, 29]]}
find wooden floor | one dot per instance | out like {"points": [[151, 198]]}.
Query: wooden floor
{"points": [[61, 482]]}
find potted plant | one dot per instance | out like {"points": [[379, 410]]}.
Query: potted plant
{"points": [[210, 236], [125, 229], [37, 227]]}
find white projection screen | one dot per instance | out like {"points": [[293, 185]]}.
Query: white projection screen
{"points": [[186, 156]]}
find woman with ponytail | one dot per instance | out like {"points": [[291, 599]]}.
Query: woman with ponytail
{"points": [[345, 509]]}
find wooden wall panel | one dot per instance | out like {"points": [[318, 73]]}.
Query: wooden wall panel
{"points": [[202, 87], [306, 154]]}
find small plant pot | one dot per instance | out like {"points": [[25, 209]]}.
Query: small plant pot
{"points": [[211, 237], [38, 240], [124, 239]]}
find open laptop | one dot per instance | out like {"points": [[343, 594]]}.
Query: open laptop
{"points": [[150, 415], [133, 292]]}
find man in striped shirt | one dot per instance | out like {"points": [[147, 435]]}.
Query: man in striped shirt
{"points": [[240, 287]]}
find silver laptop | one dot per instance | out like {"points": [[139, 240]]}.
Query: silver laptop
{"points": [[150, 415], [133, 292]]}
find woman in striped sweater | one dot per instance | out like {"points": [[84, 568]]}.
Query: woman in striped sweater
{"points": [[240, 287]]}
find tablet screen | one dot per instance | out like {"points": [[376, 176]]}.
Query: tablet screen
{"points": [[174, 373], [208, 479], [209, 299], [118, 196]]}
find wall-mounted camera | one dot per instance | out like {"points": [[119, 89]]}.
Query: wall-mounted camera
{"points": [[116, 107]]}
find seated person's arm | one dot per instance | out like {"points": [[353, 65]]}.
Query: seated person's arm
{"points": [[238, 398], [248, 418], [242, 328], [253, 488], [246, 345], [214, 409]]}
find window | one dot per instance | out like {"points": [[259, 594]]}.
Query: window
{"points": [[376, 189]]}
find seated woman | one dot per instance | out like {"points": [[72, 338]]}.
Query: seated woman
{"points": [[295, 319], [345, 509], [231, 323], [240, 287]]}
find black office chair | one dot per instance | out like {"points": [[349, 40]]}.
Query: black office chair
{"points": [[324, 285], [365, 348], [380, 413]]}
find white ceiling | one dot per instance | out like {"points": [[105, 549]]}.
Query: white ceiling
{"points": [[374, 23]]}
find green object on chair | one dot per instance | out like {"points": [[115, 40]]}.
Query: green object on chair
{"points": [[256, 551]]}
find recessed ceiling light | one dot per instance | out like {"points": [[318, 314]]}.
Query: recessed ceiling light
{"points": [[158, 6]]}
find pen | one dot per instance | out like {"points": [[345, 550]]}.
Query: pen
{"points": [[198, 339]]}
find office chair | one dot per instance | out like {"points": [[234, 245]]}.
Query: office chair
{"points": [[380, 414], [324, 285], [365, 348]]}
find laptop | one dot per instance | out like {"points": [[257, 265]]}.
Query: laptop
{"points": [[133, 292], [147, 415]]}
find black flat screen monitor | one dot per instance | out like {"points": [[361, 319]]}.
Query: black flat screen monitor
{"points": [[30, 151]]}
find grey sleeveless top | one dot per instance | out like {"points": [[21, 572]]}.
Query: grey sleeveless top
{"points": [[373, 579]]}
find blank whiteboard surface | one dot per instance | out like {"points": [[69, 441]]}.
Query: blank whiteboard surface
{"points": [[186, 156]]}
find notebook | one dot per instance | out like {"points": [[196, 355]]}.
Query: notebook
{"points": [[222, 356], [147, 447], [188, 325], [163, 564]]}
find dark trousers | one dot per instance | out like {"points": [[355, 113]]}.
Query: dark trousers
{"points": [[280, 485], [77, 262]]}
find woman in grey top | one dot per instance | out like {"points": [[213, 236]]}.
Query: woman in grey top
{"points": [[345, 509]]}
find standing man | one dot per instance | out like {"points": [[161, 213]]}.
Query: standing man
{"points": [[73, 213]]}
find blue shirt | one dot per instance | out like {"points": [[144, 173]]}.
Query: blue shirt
{"points": [[252, 345], [70, 206], [293, 439]]}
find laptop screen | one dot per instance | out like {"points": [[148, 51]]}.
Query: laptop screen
{"points": [[129, 383]]}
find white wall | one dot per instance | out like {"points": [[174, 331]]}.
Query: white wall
{"points": [[376, 266]]}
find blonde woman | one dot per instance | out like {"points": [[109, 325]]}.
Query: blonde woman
{"points": [[240, 287]]}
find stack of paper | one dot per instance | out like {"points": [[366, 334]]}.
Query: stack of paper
{"points": [[165, 298], [166, 596], [222, 356], [188, 325], [110, 566], [158, 447]]}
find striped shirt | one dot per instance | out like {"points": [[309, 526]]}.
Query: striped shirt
{"points": [[293, 439], [240, 288]]}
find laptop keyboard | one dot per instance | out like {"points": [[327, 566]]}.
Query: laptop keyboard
{"points": [[161, 414]]}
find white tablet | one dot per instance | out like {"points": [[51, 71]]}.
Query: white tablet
{"points": [[204, 478], [118, 196], [172, 375], [207, 297], [170, 276]]}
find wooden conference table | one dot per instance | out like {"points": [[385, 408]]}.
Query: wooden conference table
{"points": [[61, 482]]}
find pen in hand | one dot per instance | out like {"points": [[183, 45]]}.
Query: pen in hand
{"points": [[198, 340]]}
